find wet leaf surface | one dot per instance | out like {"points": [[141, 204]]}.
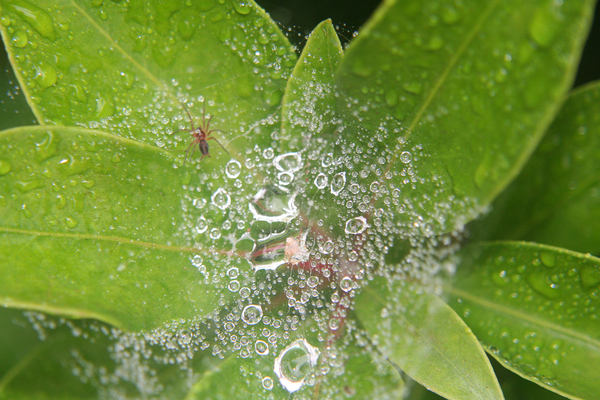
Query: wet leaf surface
{"points": [[467, 89], [555, 200], [427, 340], [534, 308]]}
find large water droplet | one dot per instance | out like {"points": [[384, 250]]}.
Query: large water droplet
{"points": [[338, 182], [242, 7], [321, 181], [262, 348], [233, 169], [5, 167], [294, 364], [221, 199], [405, 157], [356, 226], [288, 162], [252, 314]]}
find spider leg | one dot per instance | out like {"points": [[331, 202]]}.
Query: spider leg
{"points": [[191, 146], [189, 116], [206, 128], [224, 149]]}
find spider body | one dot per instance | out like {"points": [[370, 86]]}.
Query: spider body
{"points": [[201, 135]]}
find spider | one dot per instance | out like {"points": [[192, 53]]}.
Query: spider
{"points": [[201, 134]]}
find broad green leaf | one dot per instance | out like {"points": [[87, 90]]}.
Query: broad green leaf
{"points": [[13, 105], [363, 377], [555, 200], [93, 225], [127, 66], [47, 357], [535, 308], [454, 97], [418, 332], [309, 102]]}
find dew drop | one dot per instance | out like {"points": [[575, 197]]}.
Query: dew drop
{"points": [[268, 153], [334, 324], [327, 160], [262, 348], [5, 167], [267, 382], [201, 225], [356, 226], [294, 363], [19, 39], [233, 169], [234, 286], [252, 314], [215, 233], [338, 182], [197, 261], [242, 7], [184, 337], [45, 75], [288, 162], [221, 199], [346, 284], [405, 157], [321, 181]]}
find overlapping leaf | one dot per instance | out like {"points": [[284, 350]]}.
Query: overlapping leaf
{"points": [[535, 308], [464, 91], [555, 200], [427, 340]]}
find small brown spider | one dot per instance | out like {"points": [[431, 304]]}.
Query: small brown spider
{"points": [[201, 134]]}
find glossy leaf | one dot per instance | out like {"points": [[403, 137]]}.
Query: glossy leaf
{"points": [[364, 377], [93, 225], [466, 90], [427, 340], [555, 200], [535, 308], [309, 101], [127, 66]]}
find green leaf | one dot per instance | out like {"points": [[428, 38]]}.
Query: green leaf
{"points": [[465, 90], [534, 308], [97, 226], [427, 340], [365, 376], [127, 66], [309, 105], [555, 200]]}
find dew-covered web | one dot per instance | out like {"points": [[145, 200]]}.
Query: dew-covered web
{"points": [[287, 230]]}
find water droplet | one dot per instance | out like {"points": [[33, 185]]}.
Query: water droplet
{"points": [[413, 87], [5, 167], [312, 281], [201, 225], [234, 286], [262, 348], [542, 284], [449, 15], [221, 199], [435, 43], [184, 337], [19, 39], [545, 25], [229, 326], [197, 261], [233, 169], [346, 284], [268, 153], [252, 314], [405, 157], [36, 17], [215, 233], [45, 75], [242, 7], [326, 247], [71, 222], [548, 259], [285, 178], [294, 363], [267, 382], [338, 182], [327, 160], [334, 324], [288, 162], [321, 181], [356, 226]]}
